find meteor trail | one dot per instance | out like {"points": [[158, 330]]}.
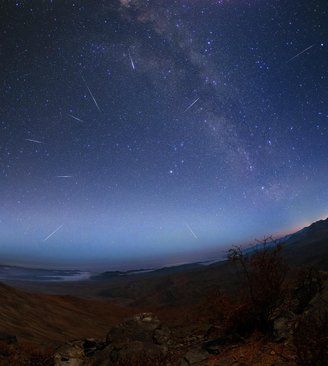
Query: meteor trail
{"points": [[64, 176], [194, 102], [299, 54], [36, 141], [92, 96], [76, 118], [54, 232], [131, 60], [190, 229]]}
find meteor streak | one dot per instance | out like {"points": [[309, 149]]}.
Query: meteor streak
{"points": [[299, 54], [194, 102], [54, 232], [190, 229], [92, 96], [131, 60], [76, 118], [36, 141]]}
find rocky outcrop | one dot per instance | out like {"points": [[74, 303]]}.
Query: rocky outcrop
{"points": [[141, 337], [70, 354], [195, 357], [309, 299], [283, 325]]}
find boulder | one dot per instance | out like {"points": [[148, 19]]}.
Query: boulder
{"points": [[195, 357], [320, 301], [141, 327], [217, 345], [283, 325], [91, 345], [140, 340], [141, 337], [70, 354]]}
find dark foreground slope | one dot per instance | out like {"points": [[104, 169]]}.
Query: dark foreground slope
{"points": [[42, 318]]}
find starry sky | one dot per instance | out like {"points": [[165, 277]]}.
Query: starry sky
{"points": [[135, 131]]}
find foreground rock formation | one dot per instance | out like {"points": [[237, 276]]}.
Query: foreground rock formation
{"points": [[141, 337]]}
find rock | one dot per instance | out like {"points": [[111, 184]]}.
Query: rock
{"points": [[138, 340], [141, 337], [309, 286], [215, 346], [162, 336], [320, 301], [102, 357], [141, 327], [70, 354], [183, 362], [89, 343], [136, 351], [90, 346], [214, 349], [195, 357], [282, 325], [68, 362]]}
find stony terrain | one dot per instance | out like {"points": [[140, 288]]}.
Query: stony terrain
{"points": [[142, 339]]}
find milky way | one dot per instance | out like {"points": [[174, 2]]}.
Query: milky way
{"points": [[159, 129]]}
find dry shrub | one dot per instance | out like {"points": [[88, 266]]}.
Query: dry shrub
{"points": [[311, 339], [263, 274]]}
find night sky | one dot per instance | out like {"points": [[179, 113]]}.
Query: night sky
{"points": [[159, 131]]}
